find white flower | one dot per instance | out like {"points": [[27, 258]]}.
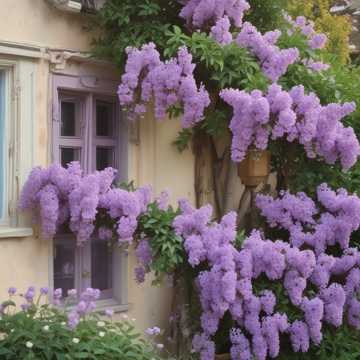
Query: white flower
{"points": [[46, 328], [133, 319], [160, 346], [12, 330], [63, 323], [125, 316], [3, 336], [29, 344], [101, 334], [75, 340], [100, 324]]}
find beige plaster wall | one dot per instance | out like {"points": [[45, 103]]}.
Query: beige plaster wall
{"points": [[151, 160], [157, 162], [36, 22]]}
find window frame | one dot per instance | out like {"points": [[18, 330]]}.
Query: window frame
{"points": [[20, 78], [4, 129], [91, 89]]}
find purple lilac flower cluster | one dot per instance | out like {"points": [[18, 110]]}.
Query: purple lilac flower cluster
{"points": [[220, 32], [58, 195], [85, 306], [274, 61], [307, 226], [167, 83], [228, 284], [144, 256], [306, 27], [296, 115], [200, 13], [314, 40], [315, 66], [47, 191], [249, 124]]}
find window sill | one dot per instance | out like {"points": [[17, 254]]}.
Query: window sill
{"points": [[15, 232], [112, 304], [102, 305]]}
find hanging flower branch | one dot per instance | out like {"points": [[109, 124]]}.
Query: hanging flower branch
{"points": [[59, 196], [295, 116], [167, 83]]}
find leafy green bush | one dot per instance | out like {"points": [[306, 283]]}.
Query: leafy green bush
{"points": [[41, 331]]}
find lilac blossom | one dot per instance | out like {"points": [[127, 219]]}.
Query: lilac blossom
{"points": [[57, 296], [163, 200], [334, 298], [220, 32], [298, 215], [30, 294], [167, 83], [271, 327], [274, 61], [315, 66], [198, 13], [306, 28], [240, 348], [293, 115], [44, 290], [144, 256], [227, 284], [299, 336], [85, 306], [313, 312], [12, 291]]}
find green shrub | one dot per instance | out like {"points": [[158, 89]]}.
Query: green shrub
{"points": [[41, 331]]}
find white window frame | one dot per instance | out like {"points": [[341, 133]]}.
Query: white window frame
{"points": [[19, 141]]}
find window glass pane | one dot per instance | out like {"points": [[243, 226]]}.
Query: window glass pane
{"points": [[64, 264], [104, 118], [68, 155], [104, 157], [2, 139], [101, 265], [69, 127]]}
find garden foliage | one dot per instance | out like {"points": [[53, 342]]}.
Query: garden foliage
{"points": [[290, 291], [44, 331]]}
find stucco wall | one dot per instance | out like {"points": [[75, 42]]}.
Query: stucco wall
{"points": [[36, 22], [151, 160]]}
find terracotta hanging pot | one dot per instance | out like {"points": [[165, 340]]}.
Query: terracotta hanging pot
{"points": [[255, 168]]}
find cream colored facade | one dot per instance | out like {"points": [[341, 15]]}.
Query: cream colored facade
{"points": [[43, 41]]}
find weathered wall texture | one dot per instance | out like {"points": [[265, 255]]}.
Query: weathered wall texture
{"points": [[36, 22]]}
